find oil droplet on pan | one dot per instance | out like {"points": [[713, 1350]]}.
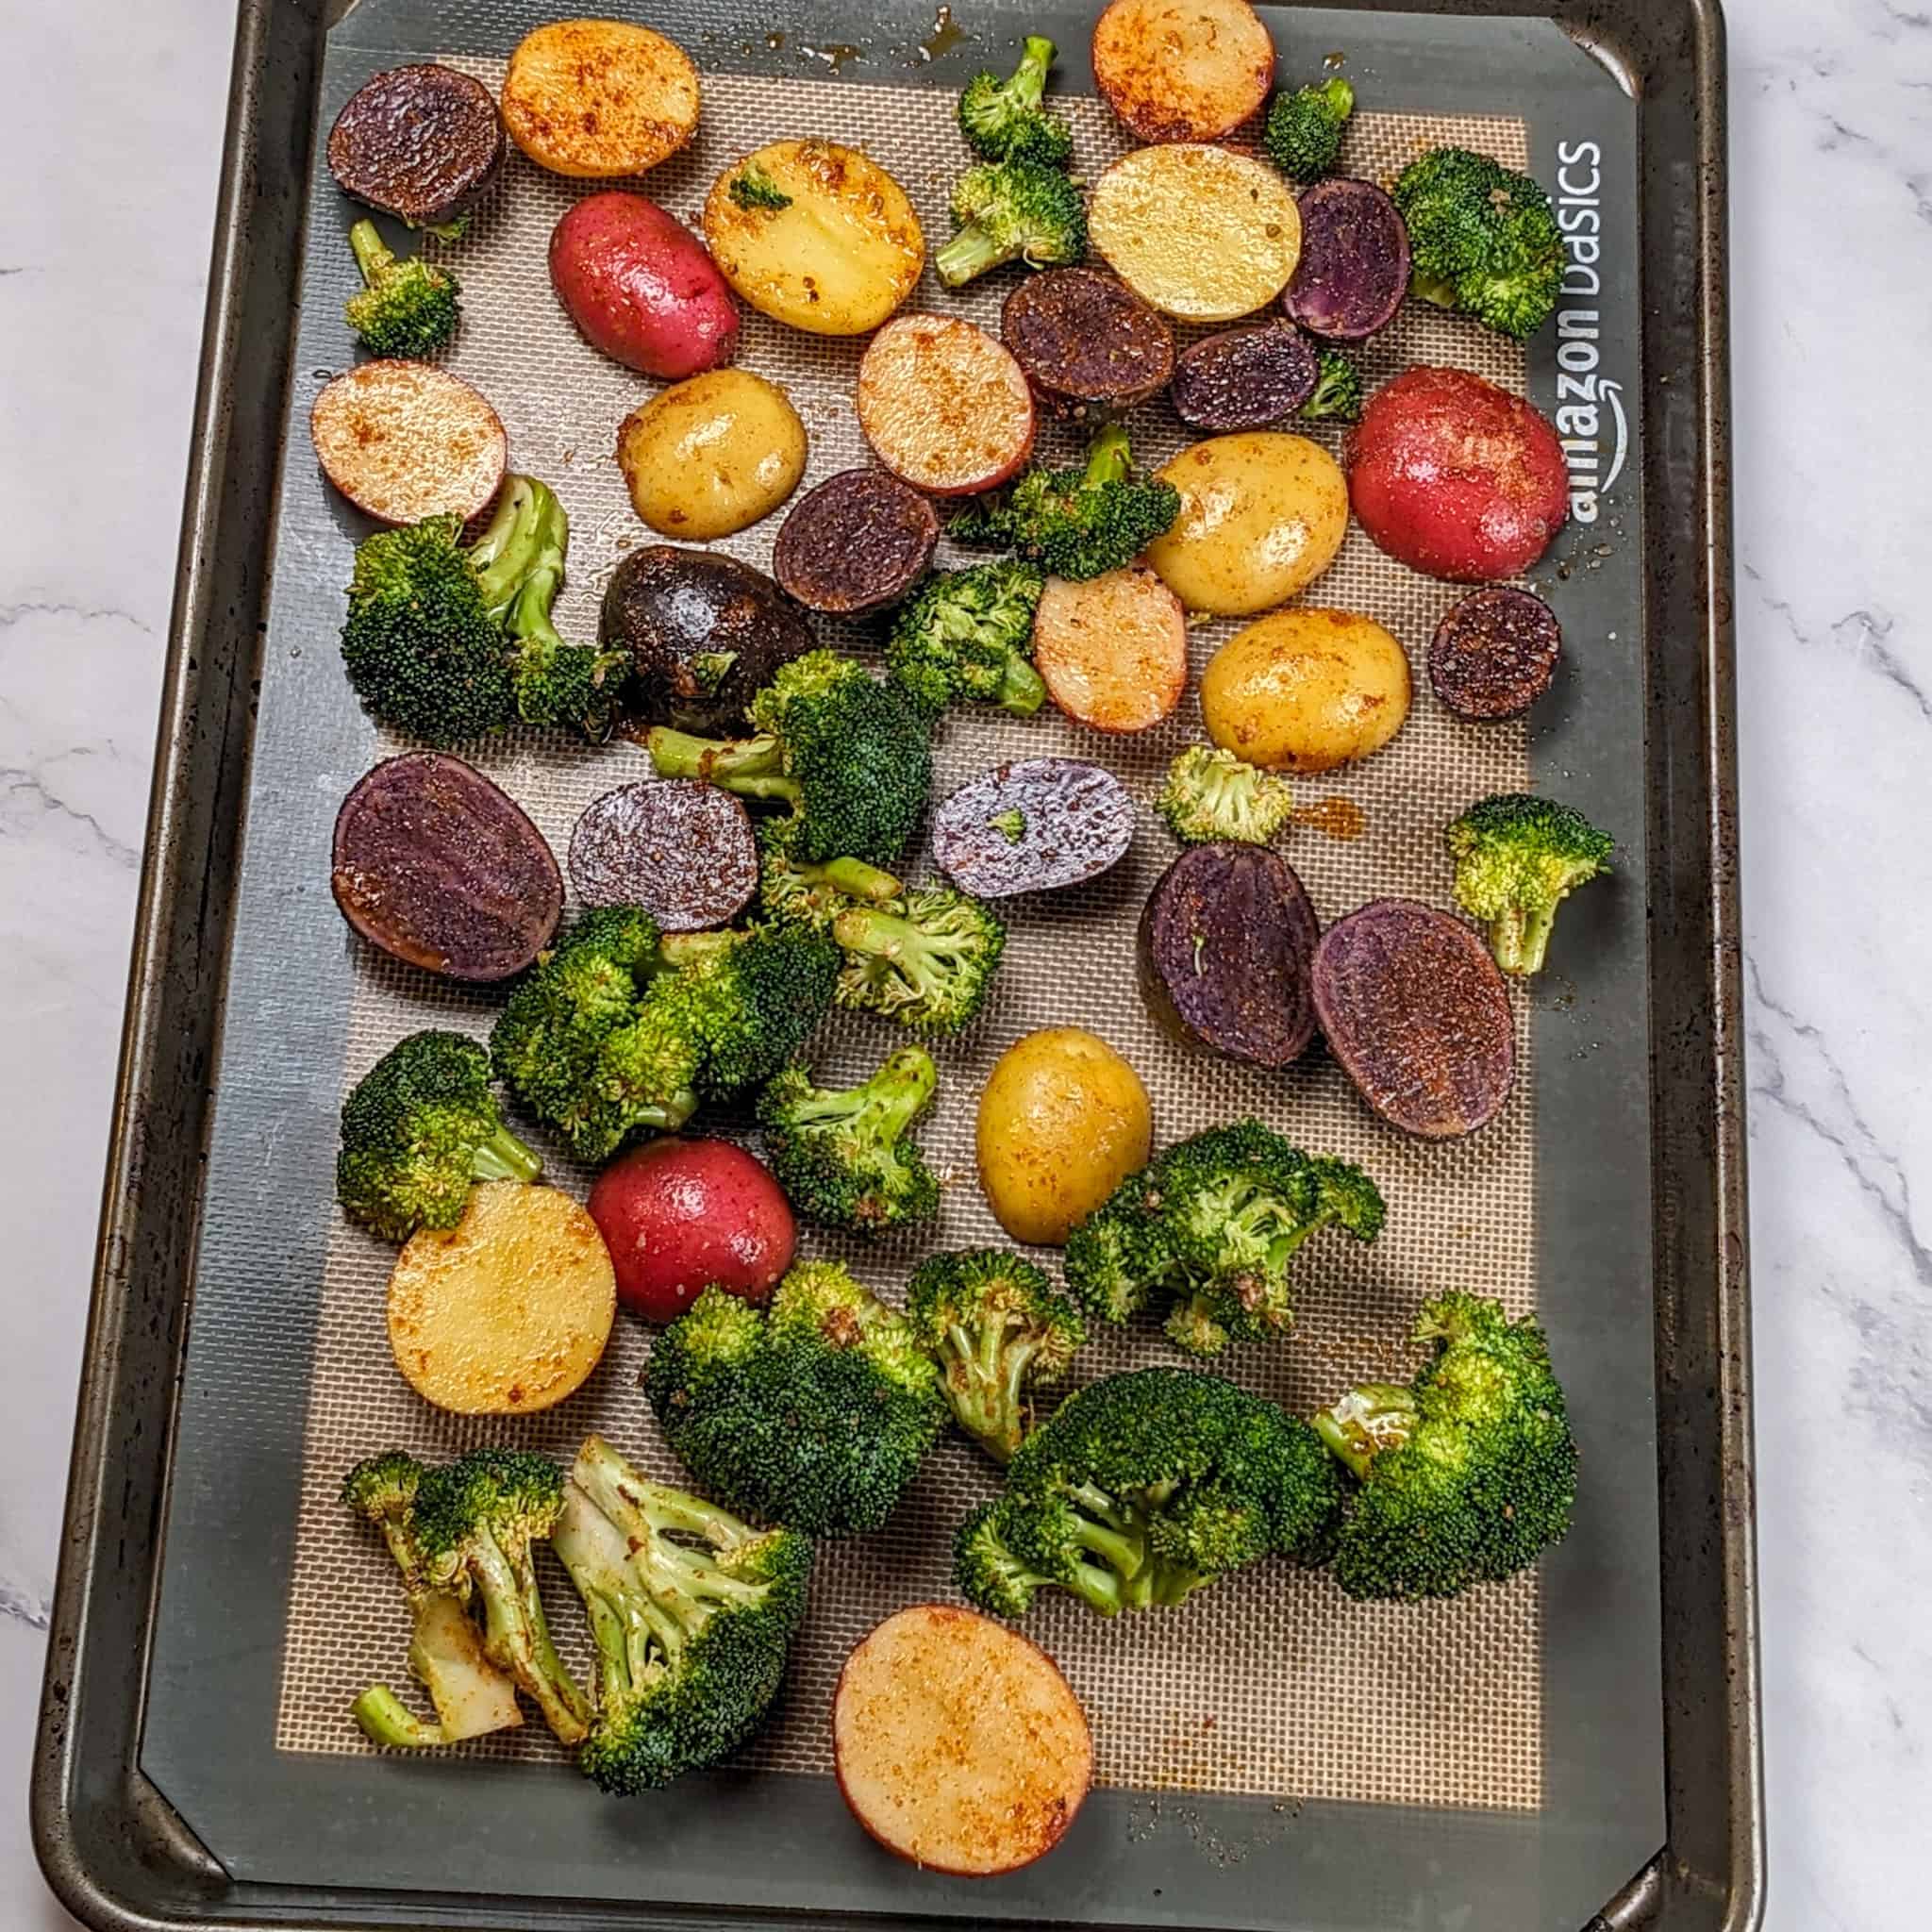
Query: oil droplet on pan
{"points": [[1341, 817], [947, 35]]}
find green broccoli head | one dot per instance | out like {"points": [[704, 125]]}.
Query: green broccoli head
{"points": [[998, 1329], [1210, 794], [1142, 1489], [845, 1158], [1081, 523], [692, 1614], [967, 635], [1466, 1476], [1003, 120], [404, 308], [1517, 857], [1012, 211], [419, 1130], [1303, 131], [1338, 391], [1483, 240], [753, 998], [752, 188], [848, 754], [1213, 1222], [814, 1414], [927, 961]]}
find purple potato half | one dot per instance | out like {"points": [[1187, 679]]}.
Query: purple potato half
{"points": [[1494, 653], [1227, 941], [1243, 378], [1354, 267], [1033, 826], [682, 850], [1085, 339], [1416, 1012]]}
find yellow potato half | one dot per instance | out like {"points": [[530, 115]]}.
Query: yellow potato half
{"points": [[711, 456], [1262, 515], [598, 98], [509, 1310], [1304, 691]]}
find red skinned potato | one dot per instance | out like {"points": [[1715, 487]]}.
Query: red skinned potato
{"points": [[682, 1216], [641, 287], [945, 407], [1451, 476]]}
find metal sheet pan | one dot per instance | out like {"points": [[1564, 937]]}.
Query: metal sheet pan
{"points": [[113, 1847]]}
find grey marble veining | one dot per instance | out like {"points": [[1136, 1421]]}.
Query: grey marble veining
{"points": [[101, 265]]}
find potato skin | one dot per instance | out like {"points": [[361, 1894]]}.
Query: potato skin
{"points": [[1262, 515], [837, 262], [1305, 690], [1063, 1120], [640, 286], [711, 456]]}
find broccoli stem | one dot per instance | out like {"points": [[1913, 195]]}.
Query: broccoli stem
{"points": [[971, 252], [1029, 85], [1022, 691], [1110, 458], [503, 1157], [386, 1720], [1373, 1417], [510, 545], [372, 254], [989, 1390], [855, 879], [1520, 937], [516, 1638], [750, 767], [1428, 290]]}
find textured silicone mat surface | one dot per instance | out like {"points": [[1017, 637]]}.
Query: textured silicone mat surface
{"points": [[1269, 1684]]}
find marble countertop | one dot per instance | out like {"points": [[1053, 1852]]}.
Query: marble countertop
{"points": [[1831, 181]]}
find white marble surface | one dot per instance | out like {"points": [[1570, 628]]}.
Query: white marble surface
{"points": [[102, 269]]}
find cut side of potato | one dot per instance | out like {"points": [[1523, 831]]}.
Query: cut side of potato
{"points": [[1200, 233], [1112, 651], [957, 1743], [509, 1310], [947, 408], [815, 234], [403, 441], [1182, 69], [597, 98]]}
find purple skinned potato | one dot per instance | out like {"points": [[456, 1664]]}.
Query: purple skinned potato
{"points": [[1085, 340], [1354, 267], [442, 870], [1033, 826], [1243, 378], [417, 142], [1494, 653], [860, 541], [1227, 942], [1418, 1016], [682, 850]]}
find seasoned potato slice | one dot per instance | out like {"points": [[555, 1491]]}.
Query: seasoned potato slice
{"points": [[945, 407], [1200, 233], [403, 440], [595, 98], [508, 1311], [1182, 69], [841, 254], [957, 1743], [706, 458], [1113, 651]]}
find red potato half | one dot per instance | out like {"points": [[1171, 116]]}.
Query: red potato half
{"points": [[1182, 69], [957, 1743], [641, 287], [1451, 476], [945, 407], [403, 441], [1112, 652]]}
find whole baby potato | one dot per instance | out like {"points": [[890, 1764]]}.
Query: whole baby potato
{"points": [[1304, 691], [707, 457], [1262, 515], [1063, 1121]]}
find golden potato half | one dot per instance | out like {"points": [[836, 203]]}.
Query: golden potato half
{"points": [[598, 98], [707, 457]]}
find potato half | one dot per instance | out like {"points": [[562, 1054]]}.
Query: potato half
{"points": [[1200, 233], [598, 98], [1182, 69], [509, 1310], [957, 1743], [706, 458], [403, 441]]}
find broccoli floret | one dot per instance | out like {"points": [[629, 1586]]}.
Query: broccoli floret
{"points": [[814, 1414], [845, 1159], [752, 188], [1303, 132], [406, 307], [999, 1329], [449, 645], [1338, 391], [1517, 857], [1077, 523], [621, 1029], [1211, 795], [419, 1130], [1003, 120], [472, 1695], [1467, 1474], [1483, 240], [1011, 211], [968, 634], [848, 754], [478, 1521], [1142, 1489], [926, 961], [1010, 825], [692, 1613], [1214, 1221]]}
